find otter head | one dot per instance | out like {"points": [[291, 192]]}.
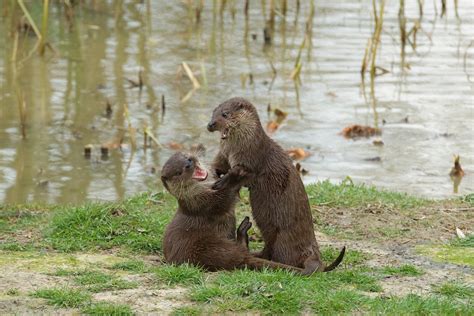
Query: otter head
{"points": [[234, 118], [181, 173]]}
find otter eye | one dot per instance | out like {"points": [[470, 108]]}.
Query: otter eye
{"points": [[225, 114]]}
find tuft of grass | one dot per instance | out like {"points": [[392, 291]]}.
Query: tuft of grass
{"points": [[448, 253], [464, 242], [105, 308], [416, 305], [348, 194], [134, 224], [187, 311], [136, 266], [63, 297], [97, 281], [455, 290], [16, 246], [404, 270], [179, 274], [352, 257], [13, 292]]}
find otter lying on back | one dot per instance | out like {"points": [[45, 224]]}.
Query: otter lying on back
{"points": [[278, 198], [203, 230]]}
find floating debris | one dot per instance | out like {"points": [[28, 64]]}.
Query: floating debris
{"points": [[355, 131], [267, 36], [457, 171], [456, 174], [300, 169], [104, 151], [88, 151], [272, 126], [108, 109], [136, 84], [378, 142], [175, 146], [374, 159], [298, 153]]}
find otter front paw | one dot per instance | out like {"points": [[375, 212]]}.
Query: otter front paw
{"points": [[221, 183]]}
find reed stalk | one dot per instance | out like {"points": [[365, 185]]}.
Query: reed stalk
{"points": [[44, 28]]}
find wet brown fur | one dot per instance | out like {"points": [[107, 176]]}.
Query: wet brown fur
{"points": [[202, 231], [280, 205]]}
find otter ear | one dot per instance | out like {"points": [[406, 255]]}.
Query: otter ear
{"points": [[240, 106]]}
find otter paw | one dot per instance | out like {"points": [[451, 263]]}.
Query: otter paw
{"points": [[220, 183]]}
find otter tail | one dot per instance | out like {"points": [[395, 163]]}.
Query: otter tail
{"points": [[336, 262], [260, 264]]}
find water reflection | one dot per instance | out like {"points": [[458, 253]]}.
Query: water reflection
{"points": [[51, 107]]}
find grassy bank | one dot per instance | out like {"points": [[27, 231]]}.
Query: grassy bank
{"points": [[105, 258]]}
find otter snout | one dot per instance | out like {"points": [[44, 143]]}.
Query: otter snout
{"points": [[211, 127]]}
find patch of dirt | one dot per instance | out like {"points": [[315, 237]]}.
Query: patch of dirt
{"points": [[144, 300], [26, 282], [379, 222], [382, 255]]}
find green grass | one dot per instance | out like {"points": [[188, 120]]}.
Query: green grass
{"points": [[455, 290], [417, 305], [347, 194], [404, 270], [104, 308], [179, 274], [187, 311], [464, 242], [16, 246], [96, 281], [64, 297], [136, 224], [284, 293], [136, 266], [351, 257]]}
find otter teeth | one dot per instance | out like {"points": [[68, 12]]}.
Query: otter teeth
{"points": [[225, 133]]}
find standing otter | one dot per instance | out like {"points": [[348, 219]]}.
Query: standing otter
{"points": [[278, 198], [203, 230]]}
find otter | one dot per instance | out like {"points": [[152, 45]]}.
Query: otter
{"points": [[279, 202], [202, 231]]}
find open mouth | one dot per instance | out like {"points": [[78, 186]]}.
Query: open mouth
{"points": [[199, 174], [225, 133]]}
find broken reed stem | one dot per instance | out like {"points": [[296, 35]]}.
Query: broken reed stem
{"points": [[152, 137], [246, 9], [44, 27], [272, 14], [363, 68], [29, 18], [376, 36], [22, 111], [191, 76], [443, 7], [298, 65], [420, 7], [283, 7], [456, 8], [131, 131], [15, 47], [402, 21]]}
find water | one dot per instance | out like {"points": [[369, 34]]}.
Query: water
{"points": [[65, 94]]}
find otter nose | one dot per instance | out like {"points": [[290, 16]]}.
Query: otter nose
{"points": [[211, 126]]}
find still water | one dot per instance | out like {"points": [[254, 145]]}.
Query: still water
{"points": [[425, 108]]}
